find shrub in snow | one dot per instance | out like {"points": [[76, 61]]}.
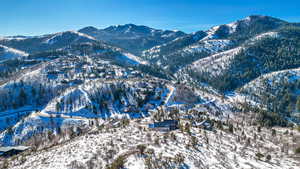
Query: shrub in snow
{"points": [[297, 150]]}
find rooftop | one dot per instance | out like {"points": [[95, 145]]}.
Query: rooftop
{"points": [[6, 149]]}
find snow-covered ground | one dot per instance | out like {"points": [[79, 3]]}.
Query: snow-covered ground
{"points": [[217, 63], [131, 98], [273, 80], [200, 149], [273, 86], [132, 59], [265, 35], [210, 46]]}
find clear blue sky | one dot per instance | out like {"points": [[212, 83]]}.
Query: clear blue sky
{"points": [[35, 17]]}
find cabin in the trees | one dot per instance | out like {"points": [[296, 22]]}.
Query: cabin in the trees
{"points": [[166, 125]]}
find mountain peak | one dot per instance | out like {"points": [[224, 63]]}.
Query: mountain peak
{"points": [[88, 29], [129, 28], [255, 18], [249, 26]]}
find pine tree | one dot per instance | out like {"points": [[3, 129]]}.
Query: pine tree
{"points": [[273, 132], [57, 107], [291, 106], [231, 128], [268, 158], [298, 103], [259, 129], [22, 97]]}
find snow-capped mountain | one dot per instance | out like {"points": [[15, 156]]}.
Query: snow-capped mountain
{"points": [[216, 65], [245, 28], [134, 38], [45, 42], [198, 45], [263, 53], [174, 45]]}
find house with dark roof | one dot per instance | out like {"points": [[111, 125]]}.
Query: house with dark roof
{"points": [[166, 125], [10, 151]]}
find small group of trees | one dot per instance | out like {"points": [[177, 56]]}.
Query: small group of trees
{"points": [[118, 163], [22, 93], [259, 156]]}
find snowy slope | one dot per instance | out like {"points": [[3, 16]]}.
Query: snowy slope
{"points": [[215, 64], [218, 149], [188, 54], [273, 79], [131, 59], [10, 53], [271, 34], [276, 91], [210, 46], [131, 98], [174, 45], [56, 38], [273, 84], [219, 38], [34, 124]]}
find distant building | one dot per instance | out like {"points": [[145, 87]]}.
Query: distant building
{"points": [[166, 125], [10, 151]]}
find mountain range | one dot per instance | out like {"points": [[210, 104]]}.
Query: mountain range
{"points": [[72, 81]]}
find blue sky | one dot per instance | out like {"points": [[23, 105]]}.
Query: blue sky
{"points": [[35, 17]]}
